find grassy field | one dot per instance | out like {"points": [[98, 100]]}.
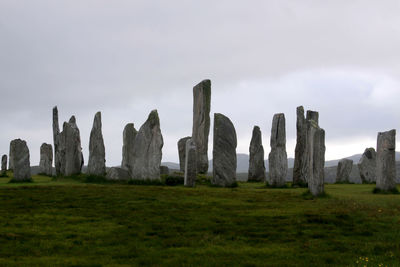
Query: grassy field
{"points": [[70, 223]]}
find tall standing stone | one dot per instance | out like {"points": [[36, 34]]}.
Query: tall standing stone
{"points": [[300, 158], [224, 152], [56, 133], [190, 163], [97, 152], [278, 165], [3, 165], [22, 167], [367, 166], [201, 122], [11, 155], [385, 161], [71, 150], [316, 158], [129, 136], [46, 159], [148, 149], [312, 115], [343, 171], [182, 152], [256, 160]]}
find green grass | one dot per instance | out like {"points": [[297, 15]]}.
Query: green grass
{"points": [[69, 222]]}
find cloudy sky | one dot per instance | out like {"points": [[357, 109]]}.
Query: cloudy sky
{"points": [[127, 57]]}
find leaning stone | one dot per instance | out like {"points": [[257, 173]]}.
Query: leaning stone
{"points": [[72, 150], [129, 136], [46, 159], [224, 152], [190, 164], [3, 165], [148, 150], [343, 171], [367, 166], [385, 161], [164, 170], [256, 160], [201, 122], [278, 165], [117, 174], [316, 158], [182, 152], [22, 168], [97, 152]]}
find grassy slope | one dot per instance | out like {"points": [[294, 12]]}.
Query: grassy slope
{"points": [[66, 222]]}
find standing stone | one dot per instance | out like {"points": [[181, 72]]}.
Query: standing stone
{"points": [[97, 152], [147, 153], [117, 174], [164, 170], [70, 149], [182, 152], [11, 155], [343, 171], [201, 122], [278, 165], [312, 115], [46, 159], [3, 165], [385, 161], [56, 133], [224, 152], [190, 163], [22, 167], [367, 166], [256, 161], [129, 136], [300, 158], [316, 158]]}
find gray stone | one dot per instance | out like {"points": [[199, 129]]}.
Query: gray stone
{"points": [[300, 158], [385, 161], [316, 158], [190, 163], [343, 171], [278, 165], [97, 152], [367, 166], [70, 149], [312, 115], [201, 122], [256, 158], [22, 168], [224, 152], [164, 170], [182, 152], [148, 150], [117, 174], [3, 165], [46, 159], [129, 136], [11, 155], [56, 137]]}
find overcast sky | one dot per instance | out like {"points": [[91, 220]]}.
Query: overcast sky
{"points": [[125, 58]]}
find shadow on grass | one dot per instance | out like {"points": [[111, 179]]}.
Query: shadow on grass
{"points": [[308, 196], [394, 191], [14, 181]]}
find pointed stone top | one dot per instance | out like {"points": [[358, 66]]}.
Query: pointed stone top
{"points": [[72, 119], [205, 82]]}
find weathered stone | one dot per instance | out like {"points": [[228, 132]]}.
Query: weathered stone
{"points": [[224, 152], [147, 153], [367, 166], [316, 158], [22, 168], [56, 137], [11, 155], [300, 158], [201, 122], [278, 165], [164, 170], [256, 159], [116, 173], [182, 152], [97, 152], [190, 163], [3, 165], [385, 161], [343, 171], [312, 115], [129, 136], [70, 149], [46, 159]]}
